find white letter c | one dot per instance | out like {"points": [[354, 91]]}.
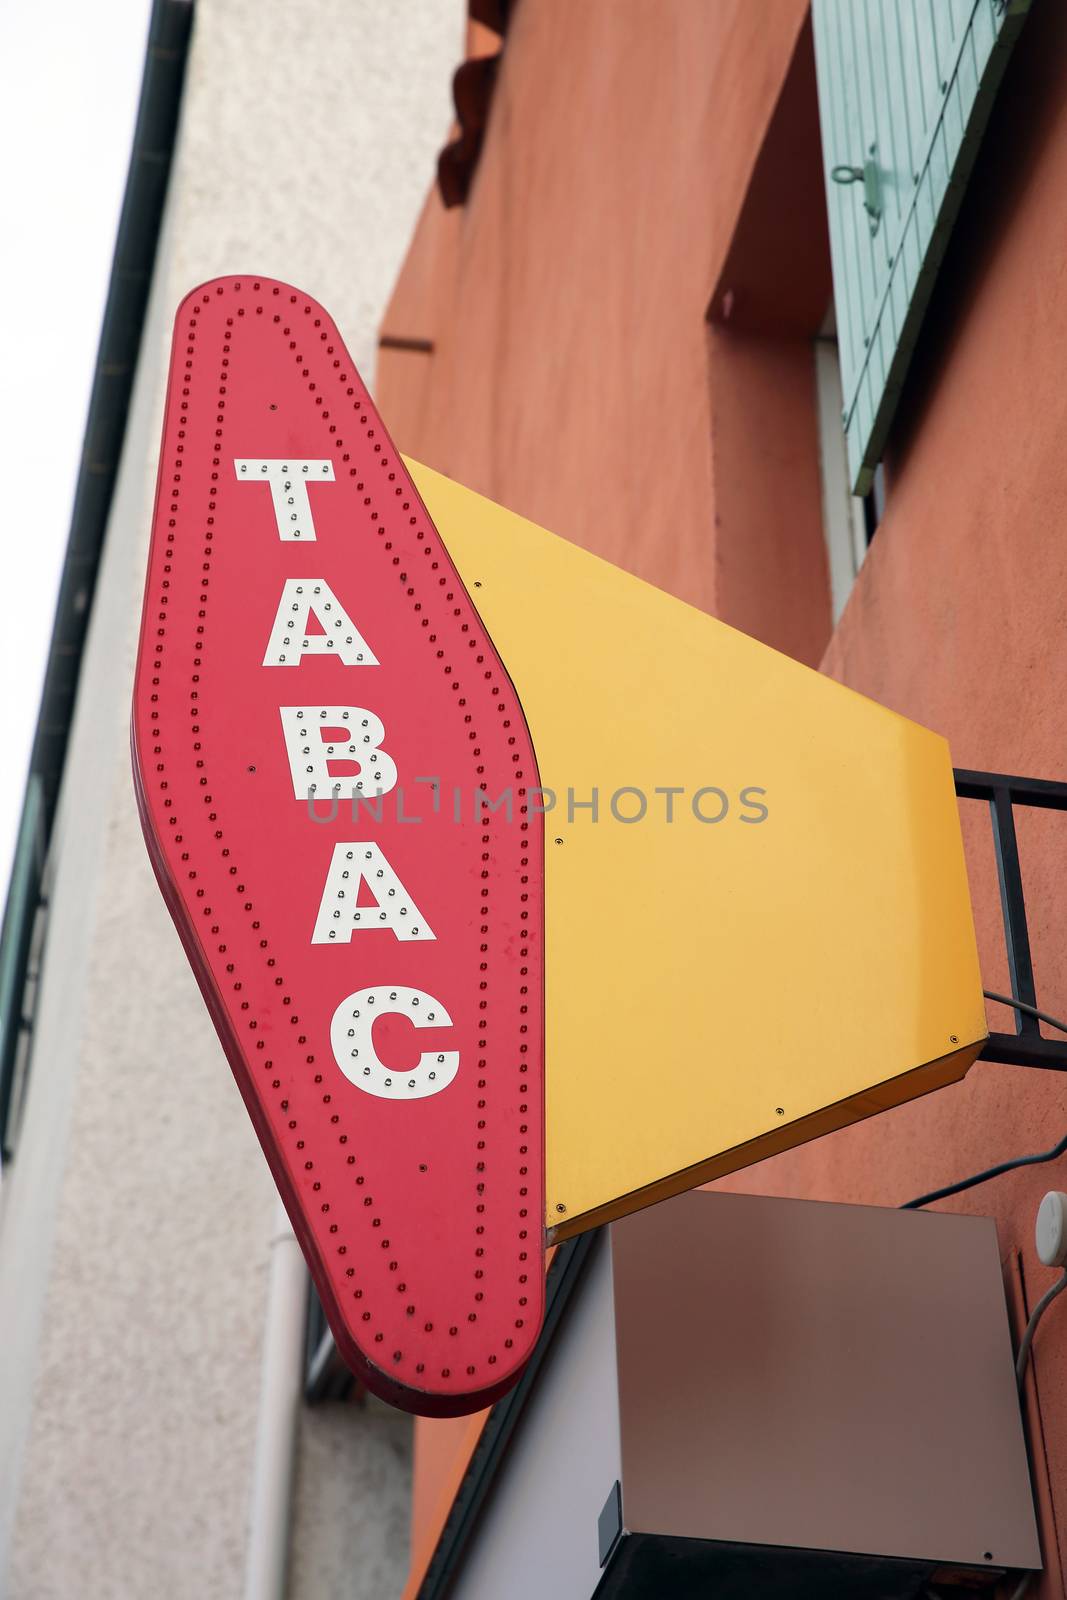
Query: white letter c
{"points": [[350, 1036]]}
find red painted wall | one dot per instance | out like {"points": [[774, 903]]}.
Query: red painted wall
{"points": [[573, 376]]}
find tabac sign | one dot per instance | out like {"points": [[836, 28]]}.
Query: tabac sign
{"points": [[520, 893]]}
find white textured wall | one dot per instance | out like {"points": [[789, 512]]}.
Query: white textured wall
{"points": [[133, 1236]]}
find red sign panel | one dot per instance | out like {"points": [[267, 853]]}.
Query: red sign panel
{"points": [[331, 767]]}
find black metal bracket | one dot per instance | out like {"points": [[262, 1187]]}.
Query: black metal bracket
{"points": [[609, 1526], [326, 1376], [1027, 1046]]}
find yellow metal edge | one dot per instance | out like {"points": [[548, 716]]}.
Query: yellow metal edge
{"points": [[907, 1086]]}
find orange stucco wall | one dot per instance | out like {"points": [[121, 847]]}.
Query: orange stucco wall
{"points": [[574, 377]]}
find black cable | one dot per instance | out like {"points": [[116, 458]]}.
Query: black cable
{"points": [[990, 1172], [1002, 1166]]}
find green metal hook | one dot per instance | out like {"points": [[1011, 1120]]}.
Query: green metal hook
{"points": [[870, 177]]}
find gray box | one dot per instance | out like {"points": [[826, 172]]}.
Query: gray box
{"points": [[794, 1398], [800, 1376]]}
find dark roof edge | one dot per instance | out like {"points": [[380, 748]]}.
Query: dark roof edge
{"points": [[133, 262]]}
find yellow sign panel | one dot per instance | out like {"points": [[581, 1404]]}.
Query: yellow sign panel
{"points": [[757, 920]]}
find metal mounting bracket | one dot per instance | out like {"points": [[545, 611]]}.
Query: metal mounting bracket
{"points": [[1028, 1046]]}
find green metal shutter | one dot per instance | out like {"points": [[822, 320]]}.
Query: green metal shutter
{"points": [[905, 88]]}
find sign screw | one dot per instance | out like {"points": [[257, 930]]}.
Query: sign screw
{"points": [[953, 1038], [780, 1110], [561, 1207]]}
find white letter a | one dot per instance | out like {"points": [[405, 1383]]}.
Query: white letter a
{"points": [[340, 914], [290, 641]]}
